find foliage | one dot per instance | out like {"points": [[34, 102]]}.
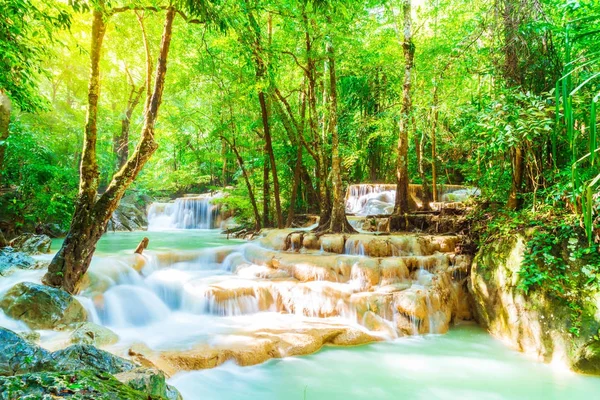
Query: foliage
{"points": [[26, 29]]}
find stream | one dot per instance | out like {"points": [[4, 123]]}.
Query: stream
{"points": [[166, 308]]}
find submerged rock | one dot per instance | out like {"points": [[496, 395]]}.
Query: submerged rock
{"points": [[42, 307], [90, 333], [32, 244], [18, 355]]}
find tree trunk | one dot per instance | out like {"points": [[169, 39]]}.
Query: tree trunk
{"points": [[518, 165], [434, 124], [91, 216], [266, 188], [121, 141], [338, 222], [401, 204], [5, 110], [269, 150], [240, 161]]}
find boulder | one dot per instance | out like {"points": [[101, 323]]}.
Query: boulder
{"points": [[85, 356], [18, 355], [11, 260], [151, 381], [32, 244], [587, 359], [42, 307], [90, 333]]}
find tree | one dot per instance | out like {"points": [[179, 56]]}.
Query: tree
{"points": [[25, 29], [408, 49], [92, 213]]}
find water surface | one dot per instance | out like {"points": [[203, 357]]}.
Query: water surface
{"points": [[465, 363]]}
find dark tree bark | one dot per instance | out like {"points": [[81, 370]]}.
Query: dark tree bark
{"points": [[261, 72], [266, 188], [401, 204], [5, 110], [514, 77], [91, 215]]}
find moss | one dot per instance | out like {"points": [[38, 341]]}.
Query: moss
{"points": [[84, 384]]}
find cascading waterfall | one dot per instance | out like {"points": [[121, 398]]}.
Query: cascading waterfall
{"points": [[378, 199], [192, 212]]}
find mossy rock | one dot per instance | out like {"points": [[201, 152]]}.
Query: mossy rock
{"points": [[151, 381], [85, 356], [42, 307], [81, 384], [18, 355], [587, 360]]}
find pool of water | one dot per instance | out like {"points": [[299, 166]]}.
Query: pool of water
{"points": [[465, 363], [192, 239]]}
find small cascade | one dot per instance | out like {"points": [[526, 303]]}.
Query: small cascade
{"points": [[191, 212], [354, 247]]}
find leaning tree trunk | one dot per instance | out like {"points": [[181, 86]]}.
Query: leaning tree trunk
{"points": [[5, 109], [240, 161], [401, 204], [91, 216]]}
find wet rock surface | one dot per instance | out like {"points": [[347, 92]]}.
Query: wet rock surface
{"points": [[79, 372], [11, 260], [32, 244], [90, 333], [18, 355], [42, 307]]}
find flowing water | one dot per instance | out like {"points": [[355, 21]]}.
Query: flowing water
{"points": [[196, 287], [465, 363]]}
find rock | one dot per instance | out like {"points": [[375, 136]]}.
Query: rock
{"points": [[11, 259], [31, 336], [90, 333], [130, 215], [311, 241], [151, 381], [85, 356], [82, 384], [534, 322], [32, 244], [42, 307], [333, 243], [18, 355], [587, 360]]}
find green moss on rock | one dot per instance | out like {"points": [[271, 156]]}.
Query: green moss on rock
{"points": [[82, 384]]}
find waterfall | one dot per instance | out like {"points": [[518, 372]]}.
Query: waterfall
{"points": [[195, 212], [378, 199]]}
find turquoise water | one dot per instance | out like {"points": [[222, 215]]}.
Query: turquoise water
{"points": [[192, 239], [466, 364]]}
